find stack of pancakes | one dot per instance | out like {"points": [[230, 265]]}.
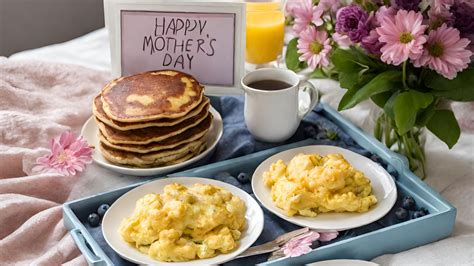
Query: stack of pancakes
{"points": [[155, 118]]}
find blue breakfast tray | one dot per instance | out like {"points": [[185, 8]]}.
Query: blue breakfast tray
{"points": [[384, 236]]}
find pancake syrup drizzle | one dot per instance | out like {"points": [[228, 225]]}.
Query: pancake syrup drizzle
{"points": [[171, 35]]}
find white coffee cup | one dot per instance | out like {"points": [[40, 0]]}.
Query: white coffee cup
{"points": [[274, 115]]}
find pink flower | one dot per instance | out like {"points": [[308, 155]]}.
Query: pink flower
{"points": [[305, 15], [402, 37], [300, 245], [385, 12], [441, 4], [314, 47], [290, 6], [342, 40], [445, 52], [327, 236], [330, 5], [438, 16], [68, 155]]}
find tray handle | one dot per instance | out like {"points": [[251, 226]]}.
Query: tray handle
{"points": [[84, 247]]}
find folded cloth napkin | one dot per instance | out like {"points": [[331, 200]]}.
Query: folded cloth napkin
{"points": [[38, 101]]}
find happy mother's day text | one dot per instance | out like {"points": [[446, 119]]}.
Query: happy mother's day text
{"points": [[171, 36]]}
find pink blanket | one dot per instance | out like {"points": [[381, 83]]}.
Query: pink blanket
{"points": [[39, 101]]}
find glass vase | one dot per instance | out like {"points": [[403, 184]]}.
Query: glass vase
{"points": [[411, 144]]}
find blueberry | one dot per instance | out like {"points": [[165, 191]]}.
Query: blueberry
{"points": [[102, 209], [409, 203], [401, 214], [310, 132], [243, 178], [424, 210], [392, 171], [418, 214], [375, 158], [93, 219]]}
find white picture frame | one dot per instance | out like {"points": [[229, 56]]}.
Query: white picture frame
{"points": [[112, 14]]}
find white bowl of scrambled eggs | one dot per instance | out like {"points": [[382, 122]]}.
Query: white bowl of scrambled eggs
{"points": [[324, 187], [183, 221]]}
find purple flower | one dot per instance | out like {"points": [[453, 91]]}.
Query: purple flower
{"points": [[406, 4], [371, 43], [463, 17], [352, 21]]}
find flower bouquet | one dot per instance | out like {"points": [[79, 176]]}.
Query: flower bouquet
{"points": [[407, 56]]}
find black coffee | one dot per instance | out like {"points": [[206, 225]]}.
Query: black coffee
{"points": [[269, 85]]}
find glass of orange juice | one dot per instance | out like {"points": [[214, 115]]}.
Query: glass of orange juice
{"points": [[265, 32]]}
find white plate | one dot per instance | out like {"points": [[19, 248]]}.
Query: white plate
{"points": [[383, 186], [90, 130], [343, 263], [124, 206]]}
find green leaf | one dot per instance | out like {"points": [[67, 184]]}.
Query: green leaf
{"points": [[348, 80], [355, 83], [388, 107], [425, 115], [459, 89], [406, 106], [346, 61], [444, 125], [385, 81], [354, 80], [381, 98], [362, 58], [346, 98], [292, 57], [317, 73]]}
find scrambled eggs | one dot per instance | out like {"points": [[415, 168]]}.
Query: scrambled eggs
{"points": [[313, 184], [186, 223]]}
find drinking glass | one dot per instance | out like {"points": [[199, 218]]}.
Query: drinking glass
{"points": [[265, 33]]}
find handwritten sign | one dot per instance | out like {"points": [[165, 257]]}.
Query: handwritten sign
{"points": [[201, 44]]}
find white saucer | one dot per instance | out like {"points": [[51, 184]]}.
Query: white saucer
{"points": [[90, 130], [383, 187], [124, 206]]}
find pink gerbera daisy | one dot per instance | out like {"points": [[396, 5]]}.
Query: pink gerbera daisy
{"points": [[68, 155], [290, 6], [445, 52], [306, 14], [441, 4], [332, 5], [436, 17], [402, 37], [314, 47], [300, 245]]}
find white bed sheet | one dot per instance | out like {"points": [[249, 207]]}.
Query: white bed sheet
{"points": [[451, 172]]}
